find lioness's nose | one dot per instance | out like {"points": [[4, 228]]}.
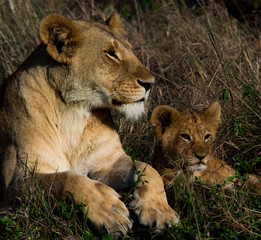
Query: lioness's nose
{"points": [[146, 85]]}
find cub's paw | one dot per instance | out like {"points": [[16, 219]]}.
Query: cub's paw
{"points": [[106, 211], [154, 210]]}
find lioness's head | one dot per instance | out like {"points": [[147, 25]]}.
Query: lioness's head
{"points": [[95, 65], [186, 135]]}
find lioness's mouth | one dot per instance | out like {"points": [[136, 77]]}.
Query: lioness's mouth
{"points": [[116, 102]]}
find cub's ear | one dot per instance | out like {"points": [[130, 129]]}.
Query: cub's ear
{"points": [[115, 23], [162, 117], [212, 114], [61, 36]]}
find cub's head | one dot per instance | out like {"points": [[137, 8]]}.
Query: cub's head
{"points": [[186, 135], [94, 65]]}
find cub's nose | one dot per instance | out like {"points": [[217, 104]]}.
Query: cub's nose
{"points": [[146, 85], [200, 157]]}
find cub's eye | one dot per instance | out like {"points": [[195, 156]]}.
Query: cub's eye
{"points": [[185, 136], [207, 136], [112, 54]]}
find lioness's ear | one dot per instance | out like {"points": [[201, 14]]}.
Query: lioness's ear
{"points": [[61, 36], [115, 23], [213, 113], [162, 117]]}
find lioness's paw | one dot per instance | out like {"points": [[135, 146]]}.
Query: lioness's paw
{"points": [[106, 211], [154, 211]]}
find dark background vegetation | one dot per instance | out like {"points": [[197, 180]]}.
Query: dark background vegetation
{"points": [[199, 52]]}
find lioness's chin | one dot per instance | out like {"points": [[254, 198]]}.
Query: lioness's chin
{"points": [[132, 111]]}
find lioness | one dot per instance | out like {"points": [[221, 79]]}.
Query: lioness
{"points": [[185, 139], [55, 120]]}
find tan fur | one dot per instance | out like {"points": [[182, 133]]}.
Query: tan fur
{"points": [[115, 23], [185, 142], [55, 118]]}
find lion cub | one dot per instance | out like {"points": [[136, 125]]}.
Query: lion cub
{"points": [[185, 139]]}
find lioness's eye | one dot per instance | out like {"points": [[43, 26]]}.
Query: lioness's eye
{"points": [[207, 136], [185, 136], [112, 54]]}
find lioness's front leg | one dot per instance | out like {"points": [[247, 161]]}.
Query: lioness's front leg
{"points": [[150, 201], [120, 175], [102, 203]]}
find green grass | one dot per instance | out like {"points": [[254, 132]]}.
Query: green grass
{"points": [[198, 55], [206, 213]]}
